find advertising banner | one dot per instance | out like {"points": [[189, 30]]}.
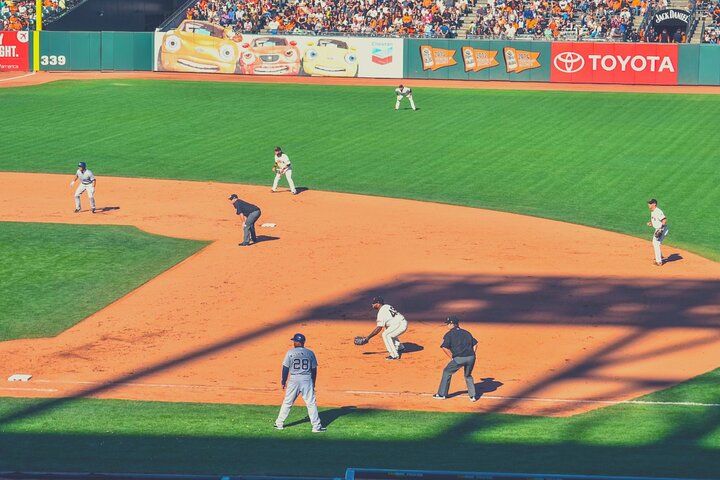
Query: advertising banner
{"points": [[627, 63], [203, 47], [477, 60], [14, 51]]}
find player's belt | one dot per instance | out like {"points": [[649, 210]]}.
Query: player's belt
{"points": [[88, 183]]}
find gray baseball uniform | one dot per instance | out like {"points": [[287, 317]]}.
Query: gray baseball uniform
{"points": [[301, 362], [86, 185]]}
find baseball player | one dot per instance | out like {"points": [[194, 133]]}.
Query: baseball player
{"points": [[301, 365], [87, 184], [403, 92], [394, 324], [659, 222], [283, 167]]}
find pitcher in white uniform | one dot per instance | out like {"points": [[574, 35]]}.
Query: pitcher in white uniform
{"points": [[283, 167], [301, 365], [87, 184], [394, 324], [659, 222]]}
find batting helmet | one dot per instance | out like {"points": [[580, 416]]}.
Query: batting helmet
{"points": [[299, 338], [82, 165]]}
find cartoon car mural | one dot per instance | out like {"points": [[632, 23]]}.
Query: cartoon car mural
{"points": [[270, 56], [197, 46], [330, 58]]}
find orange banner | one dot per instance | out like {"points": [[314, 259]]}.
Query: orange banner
{"points": [[435, 58], [520, 60], [476, 59]]}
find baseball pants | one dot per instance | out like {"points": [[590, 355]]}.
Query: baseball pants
{"points": [[249, 229], [657, 243], [390, 337], [90, 189], [466, 363], [400, 97], [305, 388], [288, 175]]}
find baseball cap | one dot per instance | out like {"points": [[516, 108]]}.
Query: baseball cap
{"points": [[652, 201], [81, 165], [299, 338], [378, 300], [453, 319], [233, 196]]}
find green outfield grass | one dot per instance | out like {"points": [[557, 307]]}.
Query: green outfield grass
{"points": [[52, 276], [590, 158], [122, 436]]}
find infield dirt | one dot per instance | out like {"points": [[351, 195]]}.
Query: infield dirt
{"points": [[565, 314]]}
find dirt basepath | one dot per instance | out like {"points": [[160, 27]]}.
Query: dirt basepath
{"points": [[567, 313], [25, 78]]}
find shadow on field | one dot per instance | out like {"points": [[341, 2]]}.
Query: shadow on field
{"points": [[641, 306]]}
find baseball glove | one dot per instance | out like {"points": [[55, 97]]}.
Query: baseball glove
{"points": [[361, 340], [658, 233]]}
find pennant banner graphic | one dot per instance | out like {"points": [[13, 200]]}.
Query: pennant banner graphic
{"points": [[435, 58], [476, 59], [520, 60]]}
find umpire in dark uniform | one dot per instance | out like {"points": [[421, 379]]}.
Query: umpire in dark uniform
{"points": [[251, 213], [460, 346]]}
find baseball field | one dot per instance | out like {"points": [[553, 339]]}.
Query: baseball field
{"points": [[155, 342]]}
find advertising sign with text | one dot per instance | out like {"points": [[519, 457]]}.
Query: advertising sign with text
{"points": [[14, 51], [627, 63]]}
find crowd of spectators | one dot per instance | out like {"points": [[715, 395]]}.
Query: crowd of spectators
{"points": [[366, 17], [711, 10], [557, 19], [21, 15]]}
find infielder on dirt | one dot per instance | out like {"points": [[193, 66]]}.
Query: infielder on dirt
{"points": [[282, 167], [87, 184], [301, 365], [394, 324], [403, 92], [659, 222]]}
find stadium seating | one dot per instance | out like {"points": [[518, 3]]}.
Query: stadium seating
{"points": [[20, 14]]}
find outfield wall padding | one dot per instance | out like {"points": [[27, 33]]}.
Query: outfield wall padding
{"points": [[452, 59]]}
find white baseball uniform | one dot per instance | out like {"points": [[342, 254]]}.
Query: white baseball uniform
{"points": [[283, 167], [86, 185], [395, 325], [300, 361], [405, 92], [656, 218]]}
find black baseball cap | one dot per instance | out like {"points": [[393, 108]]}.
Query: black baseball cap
{"points": [[379, 300], [233, 196], [453, 319], [299, 338], [652, 201]]}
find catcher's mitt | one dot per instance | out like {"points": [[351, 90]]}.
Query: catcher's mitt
{"points": [[361, 340]]}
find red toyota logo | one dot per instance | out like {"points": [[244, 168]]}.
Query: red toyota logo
{"points": [[569, 62]]}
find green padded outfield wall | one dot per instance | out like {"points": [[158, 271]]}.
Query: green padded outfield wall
{"points": [[688, 64], [127, 51], [70, 51], [96, 51], [699, 64], [518, 61]]}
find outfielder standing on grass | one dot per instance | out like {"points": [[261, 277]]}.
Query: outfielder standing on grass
{"points": [[659, 222], [301, 365], [403, 92], [460, 346], [87, 184], [283, 167]]}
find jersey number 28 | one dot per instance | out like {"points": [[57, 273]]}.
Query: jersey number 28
{"points": [[301, 364]]}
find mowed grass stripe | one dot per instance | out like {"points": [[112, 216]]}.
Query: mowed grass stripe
{"points": [[582, 157], [93, 435], [53, 276]]}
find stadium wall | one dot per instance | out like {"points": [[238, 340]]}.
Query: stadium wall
{"points": [[375, 57]]}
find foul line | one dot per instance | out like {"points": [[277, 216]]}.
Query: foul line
{"points": [[16, 78], [368, 392], [29, 389]]}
